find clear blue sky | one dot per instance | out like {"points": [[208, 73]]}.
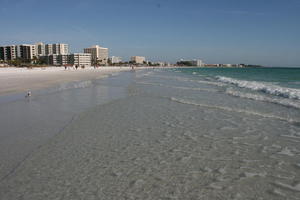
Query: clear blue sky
{"points": [[218, 31]]}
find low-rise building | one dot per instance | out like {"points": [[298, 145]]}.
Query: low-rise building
{"points": [[50, 59], [138, 59], [56, 59], [64, 59], [81, 59], [115, 59], [196, 63]]}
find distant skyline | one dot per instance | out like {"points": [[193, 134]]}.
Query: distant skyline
{"points": [[216, 31]]}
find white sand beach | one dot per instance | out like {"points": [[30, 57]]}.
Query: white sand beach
{"points": [[15, 80]]}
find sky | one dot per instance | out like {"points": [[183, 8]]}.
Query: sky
{"points": [[265, 32]]}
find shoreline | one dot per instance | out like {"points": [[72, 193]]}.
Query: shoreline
{"points": [[18, 80], [15, 80]]}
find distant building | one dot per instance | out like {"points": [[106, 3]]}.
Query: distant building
{"points": [[99, 55], [60, 49], [50, 59], [115, 59], [81, 59], [48, 49], [8, 52], [168, 64], [196, 63], [2, 53], [64, 59], [164, 64], [40, 49], [26, 52], [138, 59], [212, 65], [161, 64], [56, 60]]}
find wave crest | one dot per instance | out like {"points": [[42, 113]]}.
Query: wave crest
{"points": [[290, 93], [257, 97]]}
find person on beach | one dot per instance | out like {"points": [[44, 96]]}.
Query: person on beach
{"points": [[28, 94]]}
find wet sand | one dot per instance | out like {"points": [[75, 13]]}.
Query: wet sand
{"points": [[15, 80], [28, 123]]}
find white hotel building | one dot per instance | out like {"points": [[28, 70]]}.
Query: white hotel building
{"points": [[138, 59], [99, 54]]}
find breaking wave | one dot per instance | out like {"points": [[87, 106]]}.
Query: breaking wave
{"points": [[257, 97], [267, 88]]}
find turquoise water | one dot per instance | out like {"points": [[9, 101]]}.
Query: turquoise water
{"points": [[267, 84], [289, 77]]}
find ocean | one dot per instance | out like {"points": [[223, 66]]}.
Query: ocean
{"points": [[181, 133], [276, 85]]}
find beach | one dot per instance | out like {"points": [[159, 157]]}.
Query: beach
{"points": [[152, 134], [14, 80]]}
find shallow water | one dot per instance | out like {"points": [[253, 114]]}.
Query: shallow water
{"points": [[170, 135]]}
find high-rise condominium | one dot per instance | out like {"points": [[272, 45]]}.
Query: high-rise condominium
{"points": [[99, 54], [8, 52], [49, 49]]}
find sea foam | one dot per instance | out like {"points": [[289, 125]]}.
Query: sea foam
{"points": [[268, 88], [258, 97]]}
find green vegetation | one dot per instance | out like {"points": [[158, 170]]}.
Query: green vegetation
{"points": [[184, 63], [35, 62]]}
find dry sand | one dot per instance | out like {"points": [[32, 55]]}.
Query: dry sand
{"points": [[15, 80]]}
